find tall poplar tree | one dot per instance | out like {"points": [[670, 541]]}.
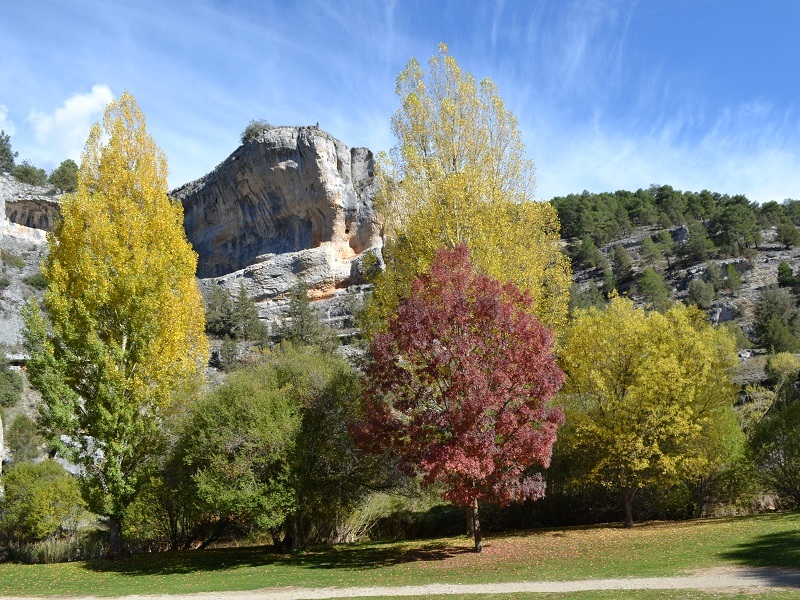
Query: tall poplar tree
{"points": [[458, 175], [126, 319]]}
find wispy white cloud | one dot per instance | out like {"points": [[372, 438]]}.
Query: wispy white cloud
{"points": [[748, 149], [62, 133], [5, 123]]}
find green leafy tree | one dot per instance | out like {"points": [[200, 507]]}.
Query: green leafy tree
{"points": [[246, 324], [714, 276], [459, 174], [587, 254], [24, 439], [65, 176], [591, 296], [777, 320], [7, 156], [621, 264], [785, 275], [643, 390], [788, 235], [736, 227], [219, 312], [125, 315], [39, 501], [699, 246], [235, 452], [701, 293], [609, 282], [271, 449], [654, 290], [10, 382], [667, 245], [27, 172], [302, 324], [733, 280], [775, 445], [650, 251]]}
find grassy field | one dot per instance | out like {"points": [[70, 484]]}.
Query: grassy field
{"points": [[651, 549]]}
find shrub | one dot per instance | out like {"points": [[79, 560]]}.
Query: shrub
{"points": [[775, 444], [23, 439], [701, 293], [655, 291], [732, 279], [36, 280], [26, 172], [785, 275], [11, 259], [777, 321], [40, 501], [10, 382], [254, 127]]}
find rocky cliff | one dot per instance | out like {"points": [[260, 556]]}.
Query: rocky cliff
{"points": [[289, 190]]}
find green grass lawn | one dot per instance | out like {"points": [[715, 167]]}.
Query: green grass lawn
{"points": [[651, 549]]}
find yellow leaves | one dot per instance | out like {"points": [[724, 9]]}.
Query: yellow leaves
{"points": [[459, 174], [120, 271], [643, 389]]}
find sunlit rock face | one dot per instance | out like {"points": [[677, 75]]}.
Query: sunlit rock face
{"points": [[292, 204]]}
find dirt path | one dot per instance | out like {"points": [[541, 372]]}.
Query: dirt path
{"points": [[720, 579]]}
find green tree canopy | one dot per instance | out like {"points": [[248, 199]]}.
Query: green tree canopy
{"points": [[65, 176]]}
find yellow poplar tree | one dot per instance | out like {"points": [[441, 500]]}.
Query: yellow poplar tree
{"points": [[126, 319], [644, 393], [458, 174]]}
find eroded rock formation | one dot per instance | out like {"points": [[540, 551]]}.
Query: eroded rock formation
{"points": [[293, 203]]}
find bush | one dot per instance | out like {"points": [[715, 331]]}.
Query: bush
{"points": [[23, 439], [65, 176], [36, 280], [11, 259], [775, 445], [655, 291], [81, 546], [777, 321], [10, 382], [26, 172], [254, 127], [39, 501], [701, 293]]}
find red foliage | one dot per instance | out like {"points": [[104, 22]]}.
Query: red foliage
{"points": [[460, 385]]}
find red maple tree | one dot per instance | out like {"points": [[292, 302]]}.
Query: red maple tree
{"points": [[459, 387]]}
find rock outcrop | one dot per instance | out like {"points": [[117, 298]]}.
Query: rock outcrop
{"points": [[292, 203], [27, 206]]}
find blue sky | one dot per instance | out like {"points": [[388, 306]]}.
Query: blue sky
{"points": [[609, 95]]}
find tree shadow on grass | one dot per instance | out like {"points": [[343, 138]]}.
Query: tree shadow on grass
{"points": [[345, 557], [774, 556]]}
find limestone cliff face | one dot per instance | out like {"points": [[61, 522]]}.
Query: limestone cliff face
{"points": [[293, 203]]}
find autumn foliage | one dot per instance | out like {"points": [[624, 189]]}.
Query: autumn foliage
{"points": [[460, 385]]}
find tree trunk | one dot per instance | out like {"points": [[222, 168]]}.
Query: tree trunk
{"points": [[468, 519], [476, 527], [627, 501], [114, 536]]}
